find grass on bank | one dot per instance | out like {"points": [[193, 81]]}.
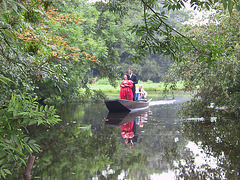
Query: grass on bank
{"points": [[104, 86]]}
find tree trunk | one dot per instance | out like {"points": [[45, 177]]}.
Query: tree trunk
{"points": [[29, 168]]}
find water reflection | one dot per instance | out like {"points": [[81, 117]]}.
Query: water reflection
{"points": [[118, 119], [214, 147], [128, 123], [89, 144]]}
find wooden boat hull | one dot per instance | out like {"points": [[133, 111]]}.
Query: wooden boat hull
{"points": [[121, 105]]}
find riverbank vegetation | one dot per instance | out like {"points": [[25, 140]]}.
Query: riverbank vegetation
{"points": [[218, 81], [104, 86], [56, 49]]}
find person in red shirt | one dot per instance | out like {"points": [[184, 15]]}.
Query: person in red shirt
{"points": [[126, 88], [127, 133]]}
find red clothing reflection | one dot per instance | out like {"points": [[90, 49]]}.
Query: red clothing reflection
{"points": [[127, 130], [126, 90]]}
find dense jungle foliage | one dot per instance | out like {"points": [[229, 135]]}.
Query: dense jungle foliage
{"points": [[53, 49]]}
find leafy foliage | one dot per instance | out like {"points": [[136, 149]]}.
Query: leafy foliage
{"points": [[157, 36], [51, 49], [33, 54], [48, 52], [20, 112], [218, 83], [153, 66]]}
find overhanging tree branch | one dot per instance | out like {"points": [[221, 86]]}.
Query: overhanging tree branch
{"points": [[180, 34]]}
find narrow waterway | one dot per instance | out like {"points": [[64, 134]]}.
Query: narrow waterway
{"points": [[89, 144]]}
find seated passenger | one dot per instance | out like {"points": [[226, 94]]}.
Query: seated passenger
{"points": [[142, 93]]}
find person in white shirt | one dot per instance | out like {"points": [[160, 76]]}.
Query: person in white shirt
{"points": [[142, 92]]}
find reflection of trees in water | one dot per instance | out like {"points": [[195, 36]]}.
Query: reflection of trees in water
{"points": [[73, 152], [218, 139], [158, 133], [75, 149]]}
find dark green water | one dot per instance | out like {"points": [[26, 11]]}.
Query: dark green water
{"points": [[88, 144]]}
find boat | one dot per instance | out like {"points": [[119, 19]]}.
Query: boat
{"points": [[122, 105]]}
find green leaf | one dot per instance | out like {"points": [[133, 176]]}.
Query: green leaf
{"points": [[2, 161], [6, 20], [25, 139], [35, 147], [46, 108], [28, 149], [2, 153], [2, 173], [4, 5], [230, 6], [225, 2], [238, 7], [7, 171], [6, 166], [14, 6], [41, 108], [23, 7], [23, 161]]}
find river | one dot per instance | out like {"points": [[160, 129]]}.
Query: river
{"points": [[88, 144]]}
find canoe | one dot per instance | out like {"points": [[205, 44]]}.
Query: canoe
{"points": [[121, 105], [118, 119]]}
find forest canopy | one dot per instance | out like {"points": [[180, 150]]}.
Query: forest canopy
{"points": [[53, 49]]}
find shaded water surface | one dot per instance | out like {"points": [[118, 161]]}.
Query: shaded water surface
{"points": [[155, 143]]}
